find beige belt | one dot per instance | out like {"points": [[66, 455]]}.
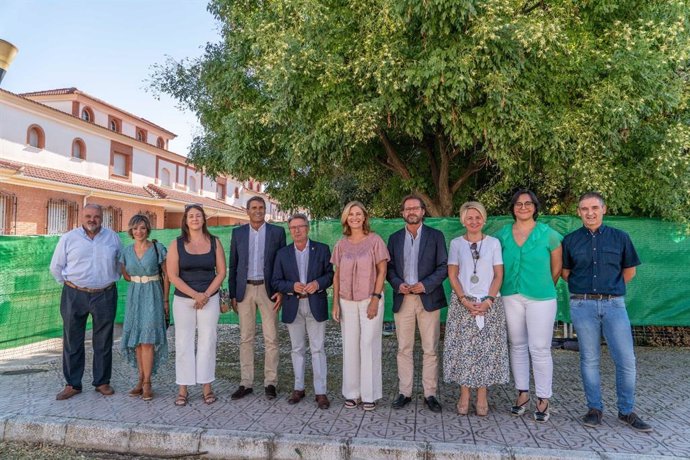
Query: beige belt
{"points": [[144, 279]]}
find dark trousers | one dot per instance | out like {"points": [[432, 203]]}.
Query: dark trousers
{"points": [[75, 307]]}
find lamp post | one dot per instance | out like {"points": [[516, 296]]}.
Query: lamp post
{"points": [[7, 53]]}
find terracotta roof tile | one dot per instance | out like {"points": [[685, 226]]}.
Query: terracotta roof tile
{"points": [[176, 195], [55, 175]]}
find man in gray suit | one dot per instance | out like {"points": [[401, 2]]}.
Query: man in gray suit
{"points": [[253, 250]]}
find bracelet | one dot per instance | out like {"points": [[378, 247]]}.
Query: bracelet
{"points": [[374, 294]]}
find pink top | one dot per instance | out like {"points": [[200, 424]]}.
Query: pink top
{"points": [[356, 264]]}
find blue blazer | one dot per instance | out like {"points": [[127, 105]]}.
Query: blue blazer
{"points": [[239, 259], [286, 274], [432, 267]]}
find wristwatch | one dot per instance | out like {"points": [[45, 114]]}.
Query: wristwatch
{"points": [[374, 294]]}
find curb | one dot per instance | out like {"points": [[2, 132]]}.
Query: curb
{"points": [[163, 440]]}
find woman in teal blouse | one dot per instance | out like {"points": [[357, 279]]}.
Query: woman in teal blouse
{"points": [[532, 264]]}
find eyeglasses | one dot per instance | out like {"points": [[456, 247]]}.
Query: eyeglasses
{"points": [[298, 227], [526, 205], [412, 208], [193, 205], [475, 253]]}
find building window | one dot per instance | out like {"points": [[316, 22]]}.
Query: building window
{"points": [[220, 192], [87, 114], [112, 218], [120, 164], [237, 192], [63, 216], [165, 177], [78, 149], [191, 183], [160, 143], [8, 213], [153, 217], [120, 160], [258, 186], [141, 135], [114, 124], [35, 137]]}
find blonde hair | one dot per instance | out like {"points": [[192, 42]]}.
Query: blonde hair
{"points": [[476, 205], [347, 231]]}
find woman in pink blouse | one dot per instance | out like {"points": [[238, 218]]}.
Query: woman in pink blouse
{"points": [[360, 260]]}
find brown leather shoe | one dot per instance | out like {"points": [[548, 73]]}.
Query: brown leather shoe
{"points": [[296, 396], [105, 389], [67, 393], [322, 401]]}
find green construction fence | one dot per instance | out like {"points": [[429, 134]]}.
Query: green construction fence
{"points": [[658, 296]]}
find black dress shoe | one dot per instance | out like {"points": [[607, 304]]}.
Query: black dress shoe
{"points": [[635, 422], [433, 404], [592, 419], [401, 401], [271, 392], [241, 392]]}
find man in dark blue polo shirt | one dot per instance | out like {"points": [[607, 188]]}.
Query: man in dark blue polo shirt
{"points": [[598, 261]]}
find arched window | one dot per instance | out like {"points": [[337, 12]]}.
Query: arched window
{"points": [[191, 183], [141, 135], [78, 149], [160, 143], [35, 137], [87, 114], [165, 177], [237, 192], [114, 124]]}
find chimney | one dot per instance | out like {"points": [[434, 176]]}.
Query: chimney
{"points": [[7, 53]]}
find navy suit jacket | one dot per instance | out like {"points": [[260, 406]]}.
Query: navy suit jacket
{"points": [[239, 259], [286, 274], [432, 267]]}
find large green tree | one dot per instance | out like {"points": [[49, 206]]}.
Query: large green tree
{"points": [[328, 100]]}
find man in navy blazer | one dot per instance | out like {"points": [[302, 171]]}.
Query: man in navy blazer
{"points": [[416, 270], [253, 250], [302, 273]]}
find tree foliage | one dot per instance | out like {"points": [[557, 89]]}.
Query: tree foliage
{"points": [[328, 100]]}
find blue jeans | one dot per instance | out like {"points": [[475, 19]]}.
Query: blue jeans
{"points": [[591, 318]]}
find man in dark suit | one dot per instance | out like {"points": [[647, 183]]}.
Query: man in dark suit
{"points": [[302, 273], [252, 253], [416, 271]]}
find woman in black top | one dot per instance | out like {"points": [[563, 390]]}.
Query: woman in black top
{"points": [[196, 266]]}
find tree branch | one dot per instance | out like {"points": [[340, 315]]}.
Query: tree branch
{"points": [[472, 169], [394, 161]]}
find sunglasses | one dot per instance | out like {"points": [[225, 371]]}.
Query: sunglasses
{"points": [[193, 205], [475, 253]]}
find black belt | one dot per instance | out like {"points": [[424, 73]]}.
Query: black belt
{"points": [[593, 296], [301, 296], [89, 290], [255, 282]]}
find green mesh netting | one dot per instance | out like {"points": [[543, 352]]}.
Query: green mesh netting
{"points": [[658, 296]]}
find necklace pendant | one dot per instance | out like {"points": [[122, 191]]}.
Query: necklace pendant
{"points": [[474, 279]]}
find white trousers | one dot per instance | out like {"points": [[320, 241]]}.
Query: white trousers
{"points": [[530, 331], [195, 367], [362, 376], [302, 327]]}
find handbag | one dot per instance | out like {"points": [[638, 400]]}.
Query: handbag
{"points": [[161, 275]]}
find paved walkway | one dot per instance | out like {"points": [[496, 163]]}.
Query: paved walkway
{"points": [[255, 427]]}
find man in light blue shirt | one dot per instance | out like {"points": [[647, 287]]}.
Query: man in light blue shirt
{"points": [[85, 261]]}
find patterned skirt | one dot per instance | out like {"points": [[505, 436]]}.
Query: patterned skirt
{"points": [[475, 357]]}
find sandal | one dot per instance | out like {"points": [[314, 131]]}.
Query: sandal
{"points": [[369, 406], [181, 400], [350, 404], [146, 392], [542, 416], [209, 398], [137, 390], [519, 409]]}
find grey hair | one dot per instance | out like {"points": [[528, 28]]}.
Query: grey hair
{"points": [[298, 215]]}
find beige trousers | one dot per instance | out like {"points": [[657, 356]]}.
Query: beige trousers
{"points": [[412, 314], [255, 296]]}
